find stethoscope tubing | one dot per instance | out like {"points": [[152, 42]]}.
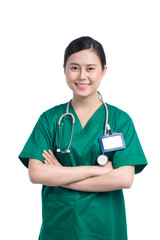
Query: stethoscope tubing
{"points": [[107, 127], [59, 126]]}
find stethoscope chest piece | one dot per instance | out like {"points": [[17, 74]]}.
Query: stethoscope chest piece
{"points": [[102, 160]]}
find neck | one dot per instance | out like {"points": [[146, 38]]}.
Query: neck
{"points": [[86, 102]]}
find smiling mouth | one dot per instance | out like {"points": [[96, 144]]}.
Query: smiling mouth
{"points": [[82, 85]]}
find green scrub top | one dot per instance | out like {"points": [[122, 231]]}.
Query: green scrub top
{"points": [[78, 215]]}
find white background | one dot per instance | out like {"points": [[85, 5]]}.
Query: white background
{"points": [[33, 37]]}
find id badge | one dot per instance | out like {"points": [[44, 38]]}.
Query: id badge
{"points": [[112, 142]]}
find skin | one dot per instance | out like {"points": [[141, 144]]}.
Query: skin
{"points": [[83, 73], [84, 68]]}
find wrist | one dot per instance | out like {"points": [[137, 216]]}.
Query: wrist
{"points": [[100, 170], [97, 170]]}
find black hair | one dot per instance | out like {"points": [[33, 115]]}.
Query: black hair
{"points": [[84, 43]]}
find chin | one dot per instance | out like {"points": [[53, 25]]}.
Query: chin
{"points": [[84, 94]]}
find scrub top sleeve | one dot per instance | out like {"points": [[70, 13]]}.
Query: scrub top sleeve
{"points": [[133, 153], [39, 140]]}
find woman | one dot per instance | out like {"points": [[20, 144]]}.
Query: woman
{"points": [[80, 199]]}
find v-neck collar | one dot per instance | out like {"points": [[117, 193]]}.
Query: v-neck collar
{"points": [[91, 119]]}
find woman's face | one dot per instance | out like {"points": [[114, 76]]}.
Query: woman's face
{"points": [[84, 72]]}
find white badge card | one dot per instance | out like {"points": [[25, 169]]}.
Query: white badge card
{"points": [[112, 142]]}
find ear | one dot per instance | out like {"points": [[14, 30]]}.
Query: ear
{"points": [[104, 71], [65, 70]]}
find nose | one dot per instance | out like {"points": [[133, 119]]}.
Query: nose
{"points": [[82, 75]]}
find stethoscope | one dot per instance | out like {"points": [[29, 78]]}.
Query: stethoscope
{"points": [[102, 159]]}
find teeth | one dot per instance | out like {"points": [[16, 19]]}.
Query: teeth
{"points": [[82, 85]]}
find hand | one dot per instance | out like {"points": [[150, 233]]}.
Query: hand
{"points": [[85, 184], [107, 168], [109, 165], [50, 159]]}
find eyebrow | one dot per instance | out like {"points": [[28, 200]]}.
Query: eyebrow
{"points": [[85, 65]]}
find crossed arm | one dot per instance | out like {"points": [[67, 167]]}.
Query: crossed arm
{"points": [[81, 178]]}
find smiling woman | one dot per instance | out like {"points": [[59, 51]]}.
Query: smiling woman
{"points": [[77, 68], [75, 190], [84, 71]]}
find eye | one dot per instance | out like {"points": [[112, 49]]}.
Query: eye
{"points": [[74, 68], [90, 69]]}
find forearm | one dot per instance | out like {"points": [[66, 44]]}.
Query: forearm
{"points": [[51, 175], [116, 179]]}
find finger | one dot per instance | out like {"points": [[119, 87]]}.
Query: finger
{"points": [[48, 161], [50, 158], [47, 154], [47, 157], [50, 155], [45, 161], [50, 152]]}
